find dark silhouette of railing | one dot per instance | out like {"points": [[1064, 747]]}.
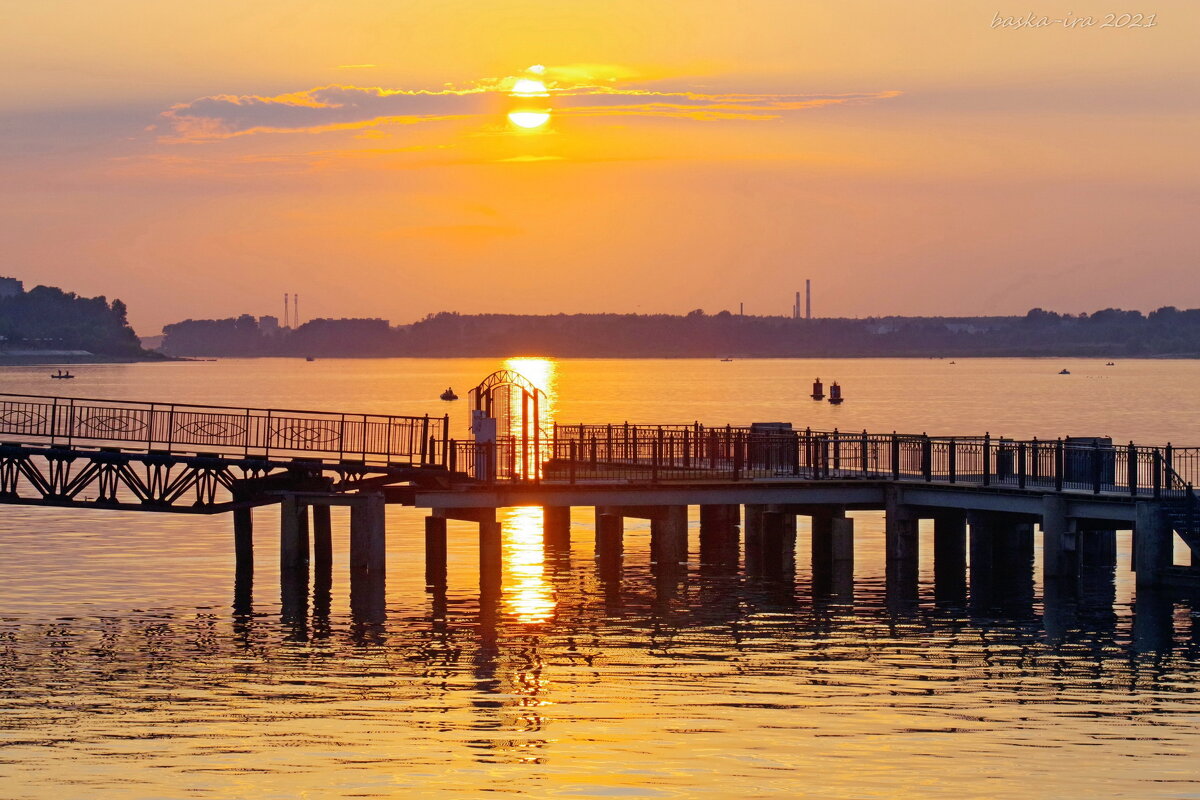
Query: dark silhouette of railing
{"points": [[250, 432], [656, 453]]}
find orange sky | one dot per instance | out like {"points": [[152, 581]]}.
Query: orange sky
{"points": [[199, 160]]}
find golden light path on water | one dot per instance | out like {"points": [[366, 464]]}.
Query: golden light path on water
{"points": [[527, 595]]}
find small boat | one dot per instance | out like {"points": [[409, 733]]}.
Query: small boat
{"points": [[727, 359], [449, 394], [309, 358], [835, 393], [953, 362], [1064, 372], [818, 392], [1110, 364], [60, 375]]}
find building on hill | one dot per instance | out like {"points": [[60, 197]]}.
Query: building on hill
{"points": [[11, 287]]}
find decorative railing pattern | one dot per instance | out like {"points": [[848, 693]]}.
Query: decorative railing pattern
{"points": [[695, 452], [266, 433]]}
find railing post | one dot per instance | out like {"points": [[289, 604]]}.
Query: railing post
{"points": [[1156, 473], [1097, 469], [927, 458], [987, 459], [1131, 465], [737, 462], [655, 455], [895, 456], [837, 451], [796, 452], [1021, 465], [952, 459], [54, 422], [424, 439], [713, 447], [1035, 469], [574, 455], [452, 456], [1058, 465], [445, 440], [866, 453]]}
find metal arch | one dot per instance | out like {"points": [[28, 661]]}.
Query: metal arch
{"points": [[503, 377], [515, 402]]}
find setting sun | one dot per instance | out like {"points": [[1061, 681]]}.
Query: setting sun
{"points": [[529, 119]]}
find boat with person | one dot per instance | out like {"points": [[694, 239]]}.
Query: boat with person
{"points": [[60, 375], [449, 394], [1064, 371]]}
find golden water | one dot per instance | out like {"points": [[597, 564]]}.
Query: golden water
{"points": [[126, 674]]}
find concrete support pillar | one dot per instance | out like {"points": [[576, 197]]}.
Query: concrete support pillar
{"points": [[293, 535], [774, 531], [669, 536], [841, 536], [293, 565], [1098, 549], [322, 540], [243, 539], [322, 533], [435, 552], [832, 554], [1153, 544], [556, 529], [753, 527], [719, 546], [491, 558], [610, 531], [950, 556], [1059, 540], [368, 558], [901, 548], [720, 517]]}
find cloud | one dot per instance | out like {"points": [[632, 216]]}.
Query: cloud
{"points": [[314, 110], [584, 90]]}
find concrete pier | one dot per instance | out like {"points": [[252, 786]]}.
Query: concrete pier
{"points": [[435, 552], [832, 554], [1153, 544], [720, 549], [368, 557], [556, 529], [901, 546], [950, 556], [1060, 552]]}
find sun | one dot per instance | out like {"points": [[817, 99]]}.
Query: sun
{"points": [[529, 119], [529, 87]]}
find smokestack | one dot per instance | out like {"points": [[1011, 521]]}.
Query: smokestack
{"points": [[796, 307], [741, 309], [807, 298], [296, 310], [285, 310]]}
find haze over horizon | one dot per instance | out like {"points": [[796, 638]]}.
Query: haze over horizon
{"points": [[384, 159]]}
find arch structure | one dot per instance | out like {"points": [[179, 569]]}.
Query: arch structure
{"points": [[515, 403]]}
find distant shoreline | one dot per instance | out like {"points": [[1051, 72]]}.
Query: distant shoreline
{"points": [[63, 360]]}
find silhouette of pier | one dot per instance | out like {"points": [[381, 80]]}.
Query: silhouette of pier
{"points": [[985, 496]]}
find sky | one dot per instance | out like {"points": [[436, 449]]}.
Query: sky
{"points": [[394, 159]]}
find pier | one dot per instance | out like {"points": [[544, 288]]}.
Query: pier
{"points": [[985, 497]]}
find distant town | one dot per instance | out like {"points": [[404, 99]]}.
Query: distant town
{"points": [[47, 323]]}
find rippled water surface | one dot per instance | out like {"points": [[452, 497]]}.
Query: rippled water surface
{"points": [[128, 670]]}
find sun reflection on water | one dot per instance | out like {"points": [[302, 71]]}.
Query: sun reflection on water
{"points": [[527, 596]]}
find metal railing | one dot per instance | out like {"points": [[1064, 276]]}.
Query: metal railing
{"points": [[250, 432], [694, 452]]}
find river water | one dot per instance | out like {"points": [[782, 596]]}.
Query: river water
{"points": [[126, 672]]}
